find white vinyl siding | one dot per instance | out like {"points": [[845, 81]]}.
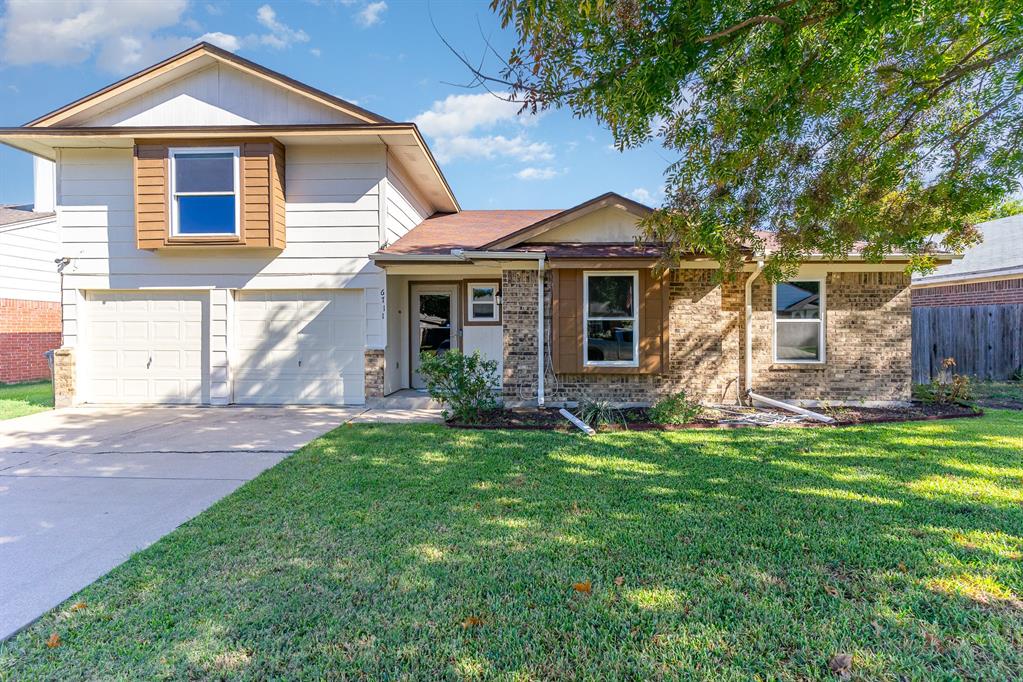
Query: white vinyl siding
{"points": [[332, 223], [27, 252], [218, 95], [295, 347], [404, 208], [143, 347]]}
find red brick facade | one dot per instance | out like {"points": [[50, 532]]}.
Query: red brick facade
{"points": [[976, 293], [27, 330]]}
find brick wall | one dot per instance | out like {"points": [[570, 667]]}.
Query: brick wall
{"points": [[27, 330], [868, 344], [374, 363], [976, 293]]}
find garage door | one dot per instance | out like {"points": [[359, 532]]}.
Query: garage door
{"points": [[299, 347], [144, 348]]}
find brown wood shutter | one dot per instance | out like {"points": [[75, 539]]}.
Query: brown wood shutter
{"points": [[277, 207], [255, 193], [261, 195], [152, 224], [653, 321], [567, 320]]}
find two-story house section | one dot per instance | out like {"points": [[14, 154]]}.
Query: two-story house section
{"points": [[217, 217]]}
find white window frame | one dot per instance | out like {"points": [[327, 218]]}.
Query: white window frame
{"points": [[494, 286], [174, 194], [821, 320], [634, 319]]}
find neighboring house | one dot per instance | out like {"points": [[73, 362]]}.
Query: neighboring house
{"points": [[989, 273], [235, 236], [29, 284], [971, 310]]}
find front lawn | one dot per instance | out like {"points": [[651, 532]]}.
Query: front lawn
{"points": [[17, 400], [422, 552]]}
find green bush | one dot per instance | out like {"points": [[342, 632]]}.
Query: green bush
{"points": [[947, 389], [464, 384], [675, 409], [600, 413]]}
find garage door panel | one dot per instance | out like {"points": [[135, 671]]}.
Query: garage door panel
{"points": [[145, 347], [302, 347]]}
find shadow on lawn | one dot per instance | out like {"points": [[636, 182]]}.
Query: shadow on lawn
{"points": [[432, 552]]}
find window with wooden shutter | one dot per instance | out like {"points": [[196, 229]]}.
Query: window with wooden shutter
{"points": [[613, 325], [174, 207]]}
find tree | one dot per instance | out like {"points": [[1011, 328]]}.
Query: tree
{"points": [[1006, 209], [836, 126]]}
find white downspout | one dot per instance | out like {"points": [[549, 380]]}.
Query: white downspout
{"points": [[748, 385], [539, 332]]}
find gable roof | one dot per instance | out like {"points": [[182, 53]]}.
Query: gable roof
{"points": [[469, 230], [11, 214], [999, 255], [199, 55], [548, 223]]}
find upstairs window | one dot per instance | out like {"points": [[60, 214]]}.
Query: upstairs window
{"points": [[799, 321], [483, 303], [204, 191], [610, 302]]}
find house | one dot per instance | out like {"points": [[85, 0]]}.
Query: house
{"points": [[989, 273], [971, 309], [235, 236], [29, 283]]}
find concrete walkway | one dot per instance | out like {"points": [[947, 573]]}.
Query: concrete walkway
{"points": [[82, 489]]}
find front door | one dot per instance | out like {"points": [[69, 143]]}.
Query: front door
{"points": [[434, 323]]}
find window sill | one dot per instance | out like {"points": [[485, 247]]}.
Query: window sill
{"points": [[789, 366]]}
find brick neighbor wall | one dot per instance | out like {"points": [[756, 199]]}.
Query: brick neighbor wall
{"points": [[27, 330], [868, 344], [975, 293]]}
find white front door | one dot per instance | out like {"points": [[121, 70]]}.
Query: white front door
{"points": [[144, 347], [300, 347], [434, 323]]}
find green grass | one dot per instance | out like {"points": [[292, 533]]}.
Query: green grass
{"points": [[999, 393], [17, 400], [421, 552]]}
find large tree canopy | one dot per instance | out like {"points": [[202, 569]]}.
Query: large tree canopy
{"points": [[825, 122]]}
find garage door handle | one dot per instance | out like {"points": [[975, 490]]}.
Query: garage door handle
{"points": [[149, 362]]}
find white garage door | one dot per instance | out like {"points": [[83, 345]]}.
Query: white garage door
{"points": [[299, 347], [144, 347]]}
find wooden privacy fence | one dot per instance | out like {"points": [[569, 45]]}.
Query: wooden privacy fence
{"points": [[985, 340]]}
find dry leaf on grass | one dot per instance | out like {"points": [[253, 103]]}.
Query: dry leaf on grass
{"points": [[53, 641], [78, 606], [472, 622], [583, 587], [832, 590], [620, 580], [841, 665], [934, 641]]}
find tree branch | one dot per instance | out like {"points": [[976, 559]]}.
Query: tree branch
{"points": [[752, 21]]}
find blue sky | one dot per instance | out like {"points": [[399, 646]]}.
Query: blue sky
{"points": [[383, 54]]}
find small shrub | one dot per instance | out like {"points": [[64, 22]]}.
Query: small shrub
{"points": [[600, 413], [464, 384], [675, 409], [947, 389]]}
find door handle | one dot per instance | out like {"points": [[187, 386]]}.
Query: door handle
{"points": [[149, 362]]}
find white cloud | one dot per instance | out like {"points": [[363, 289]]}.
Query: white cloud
{"points": [[457, 114], [642, 195], [315, 51], [281, 35], [371, 14], [531, 173], [452, 121], [519, 148], [119, 35]]}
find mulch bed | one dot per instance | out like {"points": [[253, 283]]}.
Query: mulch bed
{"points": [[636, 418]]}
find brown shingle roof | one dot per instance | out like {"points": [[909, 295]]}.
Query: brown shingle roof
{"points": [[11, 214], [442, 232]]}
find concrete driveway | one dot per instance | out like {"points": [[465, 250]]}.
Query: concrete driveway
{"points": [[82, 489]]}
